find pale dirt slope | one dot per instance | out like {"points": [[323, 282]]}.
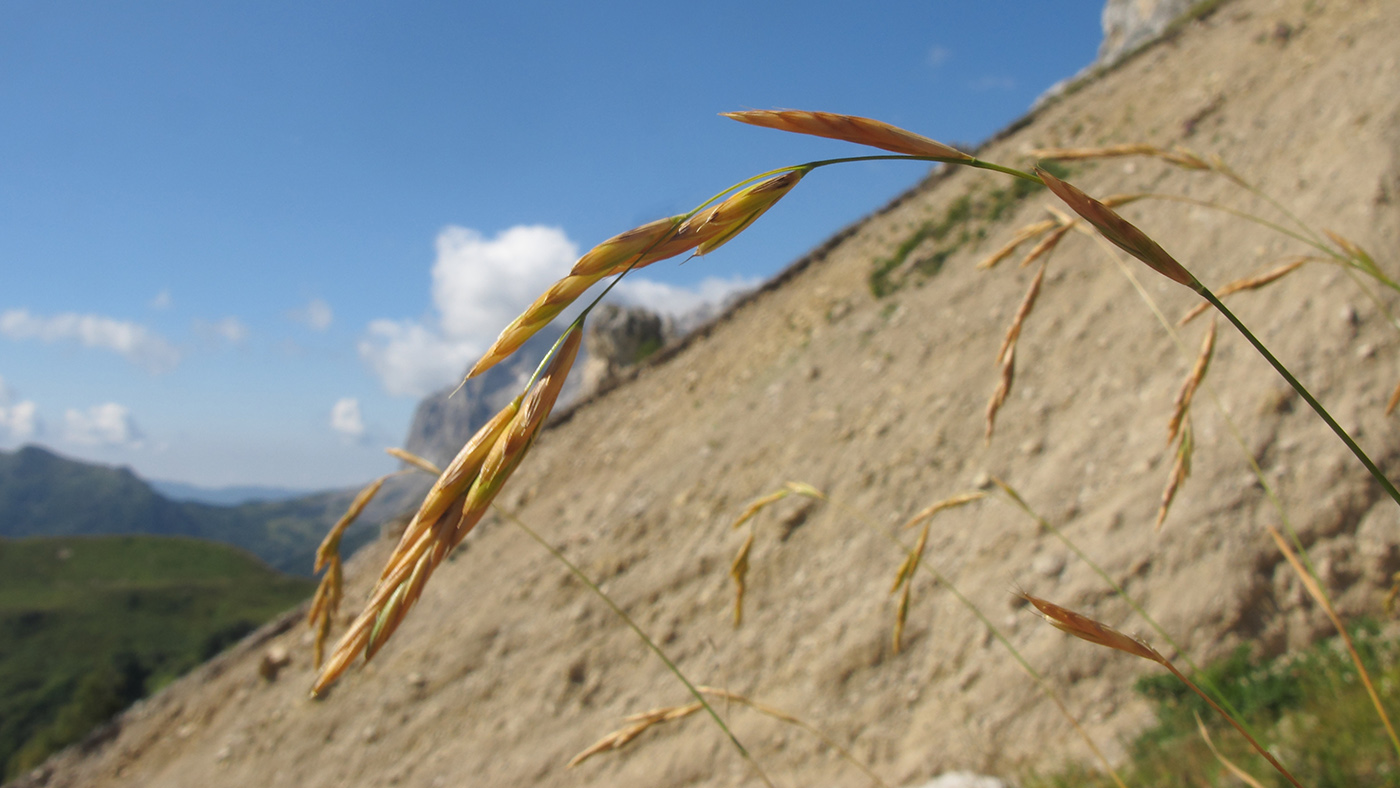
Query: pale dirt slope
{"points": [[508, 667]]}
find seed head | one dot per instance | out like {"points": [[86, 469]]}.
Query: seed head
{"points": [[1119, 230], [862, 131]]}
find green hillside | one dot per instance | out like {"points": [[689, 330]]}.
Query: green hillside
{"points": [[43, 494], [90, 624]]}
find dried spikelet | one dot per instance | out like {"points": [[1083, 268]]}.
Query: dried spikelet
{"points": [[414, 460], [947, 503], [1394, 400], [739, 570], [1178, 156], [639, 247], [326, 601], [911, 561], [1248, 283], [900, 617], [1003, 390], [1192, 382], [759, 504], [1181, 468], [1229, 765], [455, 504], [1096, 632], [1316, 592], [1013, 333], [806, 490], [1118, 230], [905, 578], [850, 128], [1046, 245], [715, 227], [1349, 247], [1033, 230], [639, 723]]}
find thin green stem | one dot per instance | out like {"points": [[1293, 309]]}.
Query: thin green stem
{"points": [[651, 644], [1302, 392]]}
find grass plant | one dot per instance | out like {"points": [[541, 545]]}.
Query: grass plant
{"points": [[465, 490]]}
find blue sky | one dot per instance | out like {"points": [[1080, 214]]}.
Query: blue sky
{"points": [[239, 240]]}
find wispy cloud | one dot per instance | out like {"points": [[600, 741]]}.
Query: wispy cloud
{"points": [[938, 55], [480, 284], [162, 301], [678, 301], [345, 418], [134, 342], [316, 315], [229, 329], [108, 424], [19, 421]]}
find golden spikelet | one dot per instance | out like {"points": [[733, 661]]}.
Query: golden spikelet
{"points": [[414, 460], [739, 570], [927, 512], [450, 510], [1046, 245], [1013, 333], [1319, 596], [638, 724], [1026, 233], [1178, 156], [641, 246], [1181, 468], [326, 601], [1003, 390], [1244, 776], [1096, 632], [1247, 283], [905, 578], [1118, 230], [1394, 400], [850, 128], [1182, 404], [1006, 354], [806, 490], [759, 504]]}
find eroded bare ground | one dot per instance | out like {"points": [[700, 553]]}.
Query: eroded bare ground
{"points": [[508, 666]]}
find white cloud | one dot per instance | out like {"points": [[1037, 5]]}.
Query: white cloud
{"points": [[479, 285], [938, 55], [18, 420], [229, 329], [136, 343], [316, 315], [108, 424], [345, 418], [678, 301], [162, 301]]}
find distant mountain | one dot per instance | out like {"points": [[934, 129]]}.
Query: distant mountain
{"points": [[90, 624], [446, 419], [43, 494], [225, 496]]}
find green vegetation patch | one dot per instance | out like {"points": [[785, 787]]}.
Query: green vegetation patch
{"points": [[1310, 709], [966, 219], [90, 624]]}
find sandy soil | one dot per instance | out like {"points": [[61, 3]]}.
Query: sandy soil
{"points": [[508, 666]]}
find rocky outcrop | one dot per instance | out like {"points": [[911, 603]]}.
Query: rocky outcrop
{"points": [[617, 338], [446, 419], [1128, 24]]}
